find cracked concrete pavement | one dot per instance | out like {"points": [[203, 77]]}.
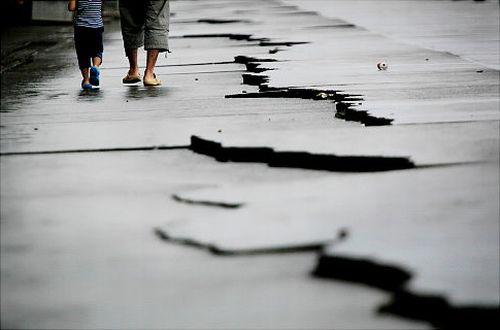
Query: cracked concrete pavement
{"points": [[104, 194]]}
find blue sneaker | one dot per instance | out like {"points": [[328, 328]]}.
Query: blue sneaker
{"points": [[94, 76], [86, 86]]}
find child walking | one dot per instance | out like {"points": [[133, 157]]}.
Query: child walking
{"points": [[88, 39]]}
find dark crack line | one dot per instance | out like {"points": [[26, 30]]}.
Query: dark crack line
{"points": [[262, 42], [301, 160], [248, 59], [344, 103], [216, 250], [366, 271], [212, 21], [282, 43], [231, 36], [332, 26], [246, 155], [440, 313], [345, 111], [176, 65], [223, 21], [254, 80], [203, 72], [265, 155], [207, 203], [98, 150], [394, 279]]}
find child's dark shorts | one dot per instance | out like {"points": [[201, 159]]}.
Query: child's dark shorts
{"points": [[88, 44]]}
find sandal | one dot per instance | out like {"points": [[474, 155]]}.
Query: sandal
{"points": [[152, 82], [131, 79], [94, 76]]}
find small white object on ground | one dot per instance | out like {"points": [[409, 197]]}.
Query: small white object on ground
{"points": [[382, 66]]}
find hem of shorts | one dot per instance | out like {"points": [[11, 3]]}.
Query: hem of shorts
{"points": [[160, 48], [132, 46]]}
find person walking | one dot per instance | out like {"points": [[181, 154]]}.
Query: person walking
{"points": [[144, 23], [88, 30]]}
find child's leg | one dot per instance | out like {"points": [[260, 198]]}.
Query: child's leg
{"points": [[96, 46], [96, 50], [85, 75], [96, 61], [82, 53], [95, 75]]}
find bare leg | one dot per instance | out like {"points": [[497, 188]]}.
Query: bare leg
{"points": [[132, 60], [150, 63], [86, 75], [96, 61]]}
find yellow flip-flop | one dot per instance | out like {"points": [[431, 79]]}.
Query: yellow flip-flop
{"points": [[131, 79], [152, 82]]}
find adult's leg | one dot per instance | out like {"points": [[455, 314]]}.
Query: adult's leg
{"points": [[152, 57], [132, 61], [156, 33], [157, 20], [132, 17]]}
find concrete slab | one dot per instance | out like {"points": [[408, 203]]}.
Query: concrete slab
{"points": [[425, 220], [421, 23], [77, 234], [429, 144]]}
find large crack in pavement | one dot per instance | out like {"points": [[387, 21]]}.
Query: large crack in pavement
{"points": [[394, 279], [391, 278], [344, 103], [219, 251], [382, 276], [231, 36], [301, 160], [264, 155], [439, 312]]}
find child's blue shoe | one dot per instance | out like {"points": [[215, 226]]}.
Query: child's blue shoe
{"points": [[94, 76], [86, 86]]}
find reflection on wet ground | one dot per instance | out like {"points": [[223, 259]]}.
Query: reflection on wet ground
{"points": [[141, 92], [135, 92], [26, 63], [56, 95], [90, 95]]}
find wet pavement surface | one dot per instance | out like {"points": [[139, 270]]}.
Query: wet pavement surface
{"points": [[276, 179]]}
